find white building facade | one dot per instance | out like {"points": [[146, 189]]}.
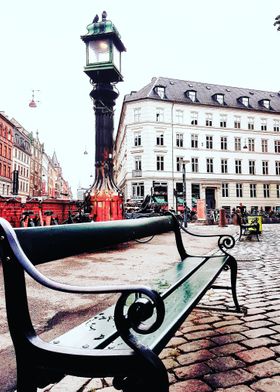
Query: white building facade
{"points": [[228, 137]]}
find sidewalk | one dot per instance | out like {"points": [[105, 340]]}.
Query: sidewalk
{"points": [[219, 351]]}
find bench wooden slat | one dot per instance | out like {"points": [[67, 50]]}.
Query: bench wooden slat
{"points": [[179, 304], [90, 332], [100, 330]]}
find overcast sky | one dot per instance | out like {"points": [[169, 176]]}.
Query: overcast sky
{"points": [[230, 42]]}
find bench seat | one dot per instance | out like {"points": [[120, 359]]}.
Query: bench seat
{"points": [[181, 288]]}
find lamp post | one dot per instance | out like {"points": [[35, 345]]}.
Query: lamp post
{"points": [[103, 67], [183, 163]]}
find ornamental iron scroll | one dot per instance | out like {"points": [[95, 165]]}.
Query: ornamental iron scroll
{"points": [[133, 315], [225, 241]]}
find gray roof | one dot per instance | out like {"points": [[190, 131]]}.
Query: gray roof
{"points": [[175, 91]]}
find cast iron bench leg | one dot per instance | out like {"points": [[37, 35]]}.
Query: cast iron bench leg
{"points": [[155, 379], [25, 380], [233, 277]]}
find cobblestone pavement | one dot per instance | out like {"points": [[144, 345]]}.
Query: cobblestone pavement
{"points": [[223, 351]]}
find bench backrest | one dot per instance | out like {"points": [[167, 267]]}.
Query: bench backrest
{"points": [[42, 244], [22, 248]]}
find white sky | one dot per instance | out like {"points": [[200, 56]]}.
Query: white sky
{"points": [[230, 42]]}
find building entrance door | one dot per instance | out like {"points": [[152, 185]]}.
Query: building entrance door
{"points": [[210, 198]]}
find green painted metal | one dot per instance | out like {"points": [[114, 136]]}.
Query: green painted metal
{"points": [[68, 240], [104, 29], [124, 340]]}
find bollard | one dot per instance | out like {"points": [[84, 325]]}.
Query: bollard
{"points": [[222, 218]]}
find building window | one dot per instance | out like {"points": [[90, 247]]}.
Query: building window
{"points": [[160, 91], [265, 167], [179, 164], [209, 120], [191, 94], [223, 143], [209, 142], [179, 116], [251, 144], [179, 140], [266, 190], [137, 114], [137, 139], [253, 190], [225, 192], [138, 163], [239, 190], [265, 103], [277, 168], [223, 120], [251, 123], [194, 141], [159, 115], [160, 139], [252, 167], [194, 118], [244, 101], [276, 125], [195, 165], [263, 124], [237, 122], [238, 169], [264, 145], [277, 146], [160, 163], [224, 166], [209, 165], [219, 98], [137, 190], [237, 144], [278, 191]]}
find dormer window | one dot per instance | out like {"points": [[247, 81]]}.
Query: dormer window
{"points": [[191, 94], [244, 101], [160, 91], [265, 103], [219, 98]]}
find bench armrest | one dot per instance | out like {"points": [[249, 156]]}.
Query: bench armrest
{"points": [[15, 254], [225, 241]]}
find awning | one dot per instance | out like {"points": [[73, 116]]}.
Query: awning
{"points": [[159, 199]]}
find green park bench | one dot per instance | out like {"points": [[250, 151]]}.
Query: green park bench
{"points": [[125, 340], [248, 229]]}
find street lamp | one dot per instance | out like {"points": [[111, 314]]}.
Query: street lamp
{"points": [[103, 67], [184, 163]]}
